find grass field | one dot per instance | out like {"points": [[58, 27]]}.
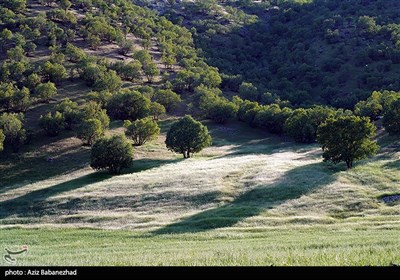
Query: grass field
{"points": [[272, 247], [250, 199]]}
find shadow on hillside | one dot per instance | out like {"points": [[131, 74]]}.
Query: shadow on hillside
{"points": [[19, 170], [145, 164], [293, 184], [393, 164], [35, 203], [32, 203]]}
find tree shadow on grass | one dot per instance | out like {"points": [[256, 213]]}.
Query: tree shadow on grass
{"points": [[293, 184], [32, 203], [35, 204], [20, 170]]}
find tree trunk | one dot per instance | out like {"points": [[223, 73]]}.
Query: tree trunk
{"points": [[349, 164]]}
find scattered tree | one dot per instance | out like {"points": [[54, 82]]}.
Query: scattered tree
{"points": [[347, 138], [13, 129], [93, 110], [89, 131], [113, 154], [70, 112], [166, 97], [142, 131], [52, 124], [187, 136], [156, 110], [129, 105], [46, 91], [391, 119]]}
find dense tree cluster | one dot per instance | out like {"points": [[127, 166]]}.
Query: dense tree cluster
{"points": [[317, 51]]}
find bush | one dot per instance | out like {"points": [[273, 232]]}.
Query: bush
{"points": [[55, 72], [222, 111], [129, 105], [89, 131], [300, 127], [187, 136], [13, 129], [93, 110], [272, 117], [141, 131], [46, 91], [156, 110], [391, 119], [113, 154], [169, 99], [70, 112], [52, 124], [248, 91]]}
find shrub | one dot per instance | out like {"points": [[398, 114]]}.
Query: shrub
{"points": [[112, 154]]}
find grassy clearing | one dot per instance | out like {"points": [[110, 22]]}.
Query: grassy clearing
{"points": [[274, 247], [250, 199]]}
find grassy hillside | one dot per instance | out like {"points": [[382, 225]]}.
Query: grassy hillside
{"points": [[256, 199]]}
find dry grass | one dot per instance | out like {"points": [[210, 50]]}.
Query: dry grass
{"points": [[247, 180]]}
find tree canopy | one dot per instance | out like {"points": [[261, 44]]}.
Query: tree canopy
{"points": [[112, 154], [187, 136], [347, 138]]}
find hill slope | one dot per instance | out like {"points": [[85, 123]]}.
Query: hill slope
{"points": [[247, 180]]}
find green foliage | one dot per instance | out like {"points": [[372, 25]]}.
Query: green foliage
{"points": [[128, 105], [32, 81], [193, 76], [16, 54], [64, 4], [156, 110], [75, 54], [93, 110], [166, 97], [273, 118], [126, 47], [2, 137], [108, 81], [313, 51], [46, 91], [13, 129], [52, 124], [90, 130], [187, 136], [347, 139], [130, 71], [14, 99], [221, 111], [302, 124], [69, 111], [248, 91], [20, 101], [55, 72], [371, 108], [150, 70], [142, 130], [113, 154], [391, 119]]}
